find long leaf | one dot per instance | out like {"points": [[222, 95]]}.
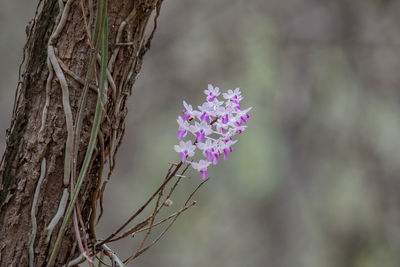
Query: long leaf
{"points": [[95, 129]]}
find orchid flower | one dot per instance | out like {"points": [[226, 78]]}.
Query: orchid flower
{"points": [[185, 149], [213, 125]]}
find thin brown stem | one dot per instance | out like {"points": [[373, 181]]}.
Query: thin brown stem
{"points": [[137, 253], [146, 221], [78, 212], [165, 219], [142, 207], [86, 25], [132, 257], [151, 220]]}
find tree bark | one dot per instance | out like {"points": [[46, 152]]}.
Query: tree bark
{"points": [[28, 145]]}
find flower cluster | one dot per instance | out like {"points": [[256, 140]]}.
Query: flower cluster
{"points": [[213, 125]]}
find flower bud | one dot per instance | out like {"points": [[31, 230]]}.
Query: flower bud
{"points": [[168, 202]]}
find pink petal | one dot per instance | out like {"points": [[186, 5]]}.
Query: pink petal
{"points": [[183, 157], [209, 156], [181, 133], [225, 154], [215, 162], [204, 174]]}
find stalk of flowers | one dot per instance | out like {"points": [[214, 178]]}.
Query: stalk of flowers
{"points": [[213, 126]]}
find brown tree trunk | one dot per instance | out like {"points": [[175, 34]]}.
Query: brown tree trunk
{"points": [[28, 145]]}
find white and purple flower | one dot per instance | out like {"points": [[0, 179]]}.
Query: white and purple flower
{"points": [[201, 130], [188, 112], [212, 93], [201, 166], [214, 124], [184, 126], [185, 149]]}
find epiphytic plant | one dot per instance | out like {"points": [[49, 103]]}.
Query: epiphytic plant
{"points": [[213, 128]]}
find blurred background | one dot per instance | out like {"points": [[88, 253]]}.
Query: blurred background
{"points": [[314, 181]]}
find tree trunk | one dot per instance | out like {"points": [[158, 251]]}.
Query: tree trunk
{"points": [[29, 143]]}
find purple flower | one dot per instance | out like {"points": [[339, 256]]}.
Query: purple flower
{"points": [[242, 114], [188, 112], [201, 166], [201, 130], [185, 149], [205, 111], [183, 127], [214, 125], [212, 93], [233, 96], [209, 150], [225, 146]]}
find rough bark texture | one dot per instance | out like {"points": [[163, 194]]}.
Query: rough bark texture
{"points": [[26, 146]]}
